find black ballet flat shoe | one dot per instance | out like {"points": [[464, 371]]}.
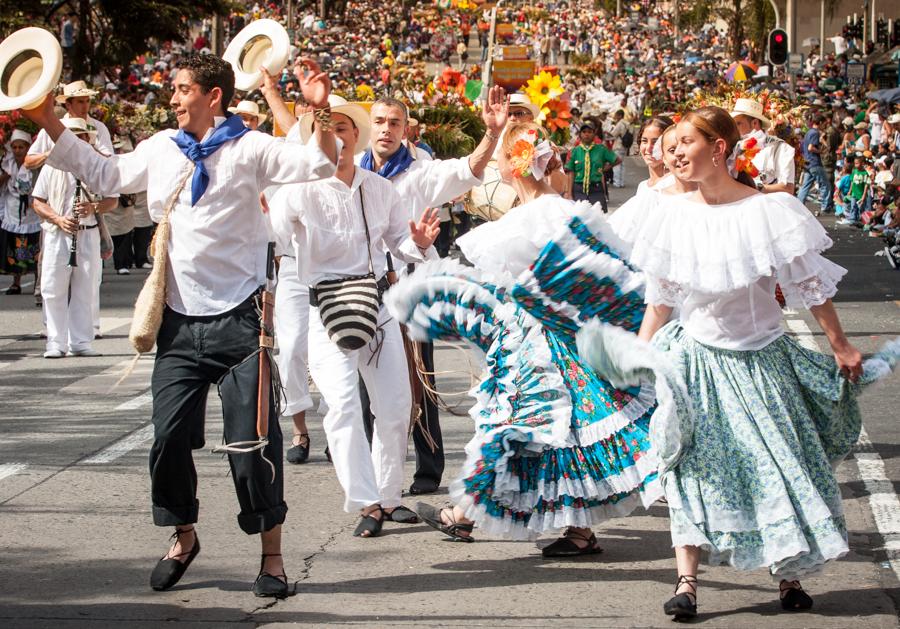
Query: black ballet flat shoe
{"points": [[15, 289], [419, 488], [370, 525], [169, 571], [565, 546], [299, 453], [269, 585], [793, 598], [683, 606]]}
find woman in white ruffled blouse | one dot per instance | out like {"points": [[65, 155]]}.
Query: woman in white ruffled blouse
{"points": [[754, 485]]}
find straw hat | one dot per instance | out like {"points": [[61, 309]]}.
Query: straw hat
{"points": [[248, 107], [894, 119], [861, 126], [353, 111], [519, 99], [261, 43], [748, 107], [38, 58], [74, 90], [79, 125]]}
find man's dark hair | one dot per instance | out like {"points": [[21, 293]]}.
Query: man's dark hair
{"points": [[210, 71], [393, 102]]}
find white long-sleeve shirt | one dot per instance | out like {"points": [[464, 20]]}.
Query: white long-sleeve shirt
{"points": [[429, 183], [43, 144], [217, 250], [326, 222]]}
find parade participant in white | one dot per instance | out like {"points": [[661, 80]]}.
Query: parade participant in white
{"points": [[216, 262], [428, 184], [341, 226], [20, 227], [775, 160], [69, 291]]}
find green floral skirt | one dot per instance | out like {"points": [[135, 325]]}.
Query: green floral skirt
{"points": [[756, 487]]}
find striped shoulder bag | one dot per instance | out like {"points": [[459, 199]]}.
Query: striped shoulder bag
{"points": [[349, 306]]}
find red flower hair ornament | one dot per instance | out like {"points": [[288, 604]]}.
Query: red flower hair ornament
{"points": [[530, 155]]}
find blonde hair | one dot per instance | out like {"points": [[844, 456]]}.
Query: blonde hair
{"points": [[514, 133]]}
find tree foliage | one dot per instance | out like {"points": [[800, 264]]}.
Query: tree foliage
{"points": [[112, 32]]}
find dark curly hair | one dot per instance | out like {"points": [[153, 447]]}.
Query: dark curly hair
{"points": [[210, 71]]}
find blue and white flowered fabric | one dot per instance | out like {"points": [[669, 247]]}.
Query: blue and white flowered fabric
{"points": [[555, 444]]}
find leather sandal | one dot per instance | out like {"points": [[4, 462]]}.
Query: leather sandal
{"points": [[432, 517], [169, 570], [270, 585], [401, 515], [683, 606], [370, 525], [793, 598], [566, 546]]}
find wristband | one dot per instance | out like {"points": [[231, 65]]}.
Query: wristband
{"points": [[323, 118]]}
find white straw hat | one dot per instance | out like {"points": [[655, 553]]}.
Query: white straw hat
{"points": [[339, 105], [248, 107], [79, 125], [261, 43], [30, 65], [518, 99], [748, 107], [74, 90]]}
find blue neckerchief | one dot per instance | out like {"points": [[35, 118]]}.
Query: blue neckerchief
{"points": [[397, 164], [231, 129]]}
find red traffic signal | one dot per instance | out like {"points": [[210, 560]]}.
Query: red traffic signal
{"points": [[778, 47]]}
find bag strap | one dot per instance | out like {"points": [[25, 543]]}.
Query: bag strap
{"points": [[170, 204], [362, 205]]}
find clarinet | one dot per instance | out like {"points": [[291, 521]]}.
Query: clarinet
{"points": [[73, 249]]}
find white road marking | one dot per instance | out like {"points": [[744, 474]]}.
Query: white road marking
{"points": [[136, 403], [122, 447], [883, 499], [8, 469], [104, 383]]}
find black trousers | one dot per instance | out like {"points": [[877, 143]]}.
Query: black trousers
{"points": [[123, 256], [596, 194], [192, 354], [141, 241], [429, 464]]}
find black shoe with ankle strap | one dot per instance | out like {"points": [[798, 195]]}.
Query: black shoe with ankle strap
{"points": [[169, 570], [269, 585], [683, 606]]}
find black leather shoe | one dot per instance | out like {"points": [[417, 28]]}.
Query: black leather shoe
{"points": [[298, 454], [421, 487], [683, 606], [169, 571], [267, 585]]}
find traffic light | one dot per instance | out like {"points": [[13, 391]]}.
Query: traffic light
{"points": [[778, 47]]}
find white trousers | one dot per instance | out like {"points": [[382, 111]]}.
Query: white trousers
{"points": [[292, 333], [619, 171], [367, 477], [69, 292]]}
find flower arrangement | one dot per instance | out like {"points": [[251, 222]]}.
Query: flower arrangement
{"points": [[745, 151], [543, 87], [521, 157], [9, 122]]}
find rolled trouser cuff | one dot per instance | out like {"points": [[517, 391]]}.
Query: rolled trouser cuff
{"points": [[262, 521], [176, 516]]}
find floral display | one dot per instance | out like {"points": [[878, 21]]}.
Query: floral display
{"points": [[543, 87]]}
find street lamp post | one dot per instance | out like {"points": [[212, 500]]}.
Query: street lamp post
{"points": [[486, 70]]}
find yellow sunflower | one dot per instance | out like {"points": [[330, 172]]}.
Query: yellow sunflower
{"points": [[364, 92], [543, 87]]}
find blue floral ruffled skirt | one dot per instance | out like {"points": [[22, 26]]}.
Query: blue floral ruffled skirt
{"points": [[755, 487]]}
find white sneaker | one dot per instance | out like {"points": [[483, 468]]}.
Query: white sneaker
{"points": [[123, 272], [146, 265], [53, 353], [85, 353]]}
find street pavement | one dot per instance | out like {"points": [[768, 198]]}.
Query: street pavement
{"points": [[78, 544]]}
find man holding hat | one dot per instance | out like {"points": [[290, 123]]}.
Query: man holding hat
{"points": [[248, 110], [76, 98], [205, 181], [71, 234], [775, 160], [588, 164]]}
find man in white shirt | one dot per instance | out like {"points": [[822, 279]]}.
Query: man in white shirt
{"points": [[617, 133], [339, 228], [71, 235], [210, 174], [775, 161], [429, 184]]}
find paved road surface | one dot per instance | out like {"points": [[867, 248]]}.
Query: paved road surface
{"points": [[78, 543]]}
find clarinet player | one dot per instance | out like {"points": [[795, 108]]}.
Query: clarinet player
{"points": [[70, 264]]}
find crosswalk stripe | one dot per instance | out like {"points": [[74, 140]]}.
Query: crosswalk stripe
{"points": [[136, 403], [8, 469], [122, 447]]}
